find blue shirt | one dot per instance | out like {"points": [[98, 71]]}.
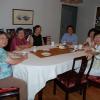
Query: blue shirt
{"points": [[5, 68], [69, 38]]}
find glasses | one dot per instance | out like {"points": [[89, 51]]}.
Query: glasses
{"points": [[3, 39]]}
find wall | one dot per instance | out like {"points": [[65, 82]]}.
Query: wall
{"points": [[46, 13], [86, 17]]}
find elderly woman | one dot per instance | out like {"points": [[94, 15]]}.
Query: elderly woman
{"points": [[19, 42], [96, 63], [6, 78]]}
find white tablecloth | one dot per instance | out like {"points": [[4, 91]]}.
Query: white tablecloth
{"points": [[37, 71]]}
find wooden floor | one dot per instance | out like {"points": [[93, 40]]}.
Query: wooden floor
{"points": [[92, 94]]}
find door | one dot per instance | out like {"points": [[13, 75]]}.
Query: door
{"points": [[68, 17]]}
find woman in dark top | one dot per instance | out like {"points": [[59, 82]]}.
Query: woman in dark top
{"points": [[37, 37]]}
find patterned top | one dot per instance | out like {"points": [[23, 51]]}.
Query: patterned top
{"points": [[5, 68], [17, 42]]}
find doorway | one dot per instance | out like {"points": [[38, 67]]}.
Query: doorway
{"points": [[68, 17]]}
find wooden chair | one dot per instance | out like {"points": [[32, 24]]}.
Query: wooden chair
{"points": [[73, 80], [9, 92], [47, 40], [93, 80], [28, 32], [11, 32]]}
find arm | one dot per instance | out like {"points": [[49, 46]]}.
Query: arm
{"points": [[75, 39], [11, 60], [25, 45], [64, 38], [30, 40]]}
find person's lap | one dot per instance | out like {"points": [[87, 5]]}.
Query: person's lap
{"points": [[14, 82]]}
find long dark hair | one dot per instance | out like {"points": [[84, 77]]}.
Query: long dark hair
{"points": [[91, 30], [35, 27], [97, 33]]}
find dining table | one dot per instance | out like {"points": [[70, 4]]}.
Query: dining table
{"points": [[39, 68]]}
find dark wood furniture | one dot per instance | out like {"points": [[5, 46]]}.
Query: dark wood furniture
{"points": [[47, 40], [93, 80], [74, 79], [9, 92], [10, 32], [28, 32]]}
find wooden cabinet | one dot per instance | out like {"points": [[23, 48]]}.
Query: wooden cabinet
{"points": [[97, 22], [72, 1]]}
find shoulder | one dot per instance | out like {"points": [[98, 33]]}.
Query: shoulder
{"points": [[2, 50], [74, 35], [3, 55]]}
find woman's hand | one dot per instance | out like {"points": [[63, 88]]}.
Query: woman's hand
{"points": [[11, 60], [89, 53]]}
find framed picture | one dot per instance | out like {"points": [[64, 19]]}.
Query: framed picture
{"points": [[22, 17]]}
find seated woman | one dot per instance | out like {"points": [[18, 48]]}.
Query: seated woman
{"points": [[90, 40], [96, 63], [6, 78], [69, 37], [19, 42], [37, 37]]}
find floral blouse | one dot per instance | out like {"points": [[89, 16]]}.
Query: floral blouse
{"points": [[5, 68]]}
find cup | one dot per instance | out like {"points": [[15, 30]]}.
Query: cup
{"points": [[34, 49], [52, 43], [64, 43], [75, 47], [80, 46]]}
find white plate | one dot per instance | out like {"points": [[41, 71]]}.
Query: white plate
{"points": [[61, 47], [46, 54]]}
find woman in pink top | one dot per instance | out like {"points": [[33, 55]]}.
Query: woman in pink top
{"points": [[19, 42]]}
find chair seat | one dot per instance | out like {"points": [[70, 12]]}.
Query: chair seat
{"points": [[94, 78], [4, 90], [71, 82]]}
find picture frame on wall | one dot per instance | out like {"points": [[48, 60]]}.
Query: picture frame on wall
{"points": [[22, 17]]}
